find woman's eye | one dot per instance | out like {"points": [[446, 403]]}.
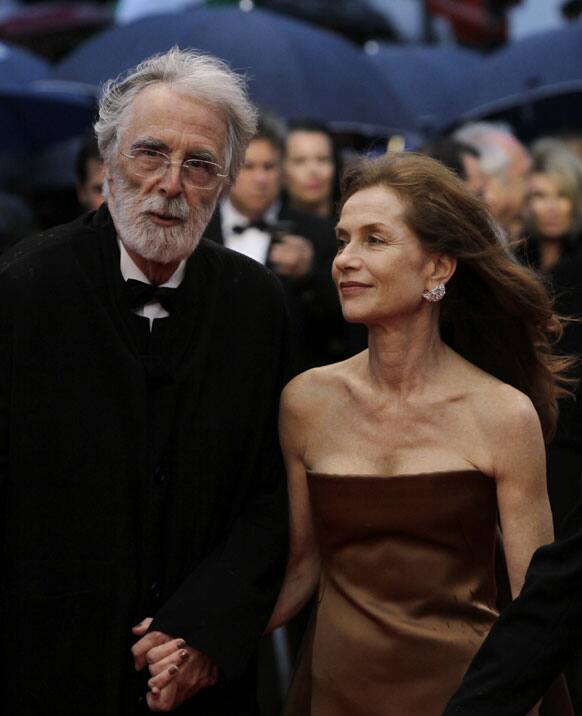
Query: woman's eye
{"points": [[340, 244], [375, 239]]}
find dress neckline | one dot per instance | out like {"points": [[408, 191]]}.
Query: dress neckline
{"points": [[401, 476]]}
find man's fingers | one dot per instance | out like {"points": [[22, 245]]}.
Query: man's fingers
{"points": [[292, 256]]}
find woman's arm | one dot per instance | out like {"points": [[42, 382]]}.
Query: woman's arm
{"points": [[520, 473], [522, 498], [303, 567]]}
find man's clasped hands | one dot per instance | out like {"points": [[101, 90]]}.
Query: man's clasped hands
{"points": [[177, 671]]}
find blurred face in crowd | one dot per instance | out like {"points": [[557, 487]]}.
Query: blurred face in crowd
{"points": [[474, 176], [381, 267], [259, 183], [505, 190], [551, 210], [159, 215], [90, 192], [309, 168]]}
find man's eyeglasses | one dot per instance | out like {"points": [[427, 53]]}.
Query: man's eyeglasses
{"points": [[196, 173]]}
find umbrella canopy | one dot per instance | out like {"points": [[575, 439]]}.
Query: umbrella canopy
{"points": [[427, 78], [17, 65], [356, 19], [295, 69], [35, 115], [536, 83]]}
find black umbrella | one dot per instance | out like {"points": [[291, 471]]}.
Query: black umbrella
{"points": [[535, 83], [294, 68]]}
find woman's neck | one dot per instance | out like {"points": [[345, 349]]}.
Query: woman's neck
{"points": [[550, 251], [403, 359], [322, 208]]}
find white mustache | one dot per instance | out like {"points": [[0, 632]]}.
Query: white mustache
{"points": [[176, 207]]}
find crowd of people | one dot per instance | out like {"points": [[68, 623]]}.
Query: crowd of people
{"points": [[420, 315]]}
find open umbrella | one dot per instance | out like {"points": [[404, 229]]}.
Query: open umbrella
{"points": [[36, 111], [426, 78], [535, 83], [35, 115], [294, 68], [17, 65]]}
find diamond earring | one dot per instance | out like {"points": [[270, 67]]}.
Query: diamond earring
{"points": [[435, 294]]}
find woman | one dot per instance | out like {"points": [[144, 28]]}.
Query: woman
{"points": [[554, 205], [310, 168], [400, 458], [554, 247]]}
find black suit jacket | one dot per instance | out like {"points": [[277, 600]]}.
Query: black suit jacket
{"points": [[318, 333], [533, 638], [137, 477]]}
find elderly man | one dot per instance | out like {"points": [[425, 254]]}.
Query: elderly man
{"points": [[506, 164], [140, 474]]}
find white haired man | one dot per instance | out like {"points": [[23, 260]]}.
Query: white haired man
{"points": [[505, 164], [140, 475]]}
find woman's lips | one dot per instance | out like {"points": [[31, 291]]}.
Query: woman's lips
{"points": [[349, 287]]}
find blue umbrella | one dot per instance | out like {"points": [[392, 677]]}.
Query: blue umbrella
{"points": [[294, 68], [536, 83], [17, 65], [426, 78], [35, 115]]}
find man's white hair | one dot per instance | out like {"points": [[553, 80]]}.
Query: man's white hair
{"points": [[200, 76], [498, 147]]}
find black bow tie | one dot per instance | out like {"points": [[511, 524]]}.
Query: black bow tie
{"points": [[260, 224], [139, 293]]}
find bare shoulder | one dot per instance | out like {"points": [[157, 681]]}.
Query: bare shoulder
{"points": [[316, 389], [506, 415], [508, 410]]}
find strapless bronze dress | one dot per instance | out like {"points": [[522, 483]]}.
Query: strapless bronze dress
{"points": [[407, 592]]}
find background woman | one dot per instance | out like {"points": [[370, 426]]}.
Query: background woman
{"points": [[311, 168], [400, 457], [554, 204], [554, 247]]}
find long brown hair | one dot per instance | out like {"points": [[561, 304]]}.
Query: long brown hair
{"points": [[497, 313]]}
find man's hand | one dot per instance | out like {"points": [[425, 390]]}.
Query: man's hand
{"points": [[292, 256], [178, 672]]}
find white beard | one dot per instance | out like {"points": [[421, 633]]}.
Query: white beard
{"points": [[162, 244]]}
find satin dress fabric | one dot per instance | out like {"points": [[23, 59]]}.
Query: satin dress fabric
{"points": [[407, 592]]}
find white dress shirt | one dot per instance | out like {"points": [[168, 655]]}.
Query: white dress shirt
{"points": [[252, 242], [129, 269]]}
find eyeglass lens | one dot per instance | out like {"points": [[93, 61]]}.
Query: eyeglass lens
{"points": [[195, 172]]}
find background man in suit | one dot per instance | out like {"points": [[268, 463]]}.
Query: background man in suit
{"points": [[140, 474], [298, 247]]}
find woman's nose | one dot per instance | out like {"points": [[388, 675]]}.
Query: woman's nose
{"points": [[347, 257]]}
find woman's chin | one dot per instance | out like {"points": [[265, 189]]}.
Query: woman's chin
{"points": [[352, 316]]}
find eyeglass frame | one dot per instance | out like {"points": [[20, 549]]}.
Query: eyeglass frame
{"points": [[174, 162]]}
